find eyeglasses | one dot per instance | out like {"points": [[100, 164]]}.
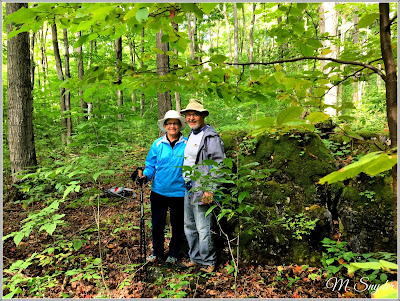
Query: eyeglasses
{"points": [[192, 114], [172, 123]]}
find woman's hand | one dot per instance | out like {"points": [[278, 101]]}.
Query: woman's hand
{"points": [[207, 197]]}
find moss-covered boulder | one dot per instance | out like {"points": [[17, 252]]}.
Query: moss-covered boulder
{"points": [[286, 201], [292, 214], [366, 212]]}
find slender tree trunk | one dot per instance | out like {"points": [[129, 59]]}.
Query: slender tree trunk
{"points": [[61, 78], [228, 33], [235, 35], [217, 37], [79, 56], [67, 96], [44, 56], [244, 40], [177, 95], [141, 64], [118, 56], [342, 41], [331, 26], [191, 36], [19, 100], [356, 40], [391, 88], [251, 42], [131, 43], [164, 99]]}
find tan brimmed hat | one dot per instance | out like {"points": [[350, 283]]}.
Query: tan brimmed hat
{"points": [[195, 105], [171, 114]]}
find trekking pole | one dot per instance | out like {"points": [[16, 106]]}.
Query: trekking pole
{"points": [[138, 173], [142, 226]]}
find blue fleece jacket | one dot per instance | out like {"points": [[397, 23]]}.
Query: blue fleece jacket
{"points": [[161, 167]]}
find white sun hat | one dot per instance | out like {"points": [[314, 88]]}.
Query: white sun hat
{"points": [[171, 114]]}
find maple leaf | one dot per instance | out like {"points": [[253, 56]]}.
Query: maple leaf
{"points": [[298, 269]]}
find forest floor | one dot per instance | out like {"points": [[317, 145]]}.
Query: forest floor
{"points": [[119, 238]]}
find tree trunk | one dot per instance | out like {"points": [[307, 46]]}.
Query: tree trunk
{"points": [[228, 33], [331, 26], [19, 100], [141, 64], [191, 35], [118, 56], [391, 87], [356, 40], [342, 41], [253, 20], [177, 95], [131, 43], [244, 40], [235, 35], [217, 37], [43, 56], [32, 58], [61, 78], [81, 72], [67, 98], [164, 99]]}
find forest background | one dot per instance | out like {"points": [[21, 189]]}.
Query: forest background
{"points": [[85, 83]]}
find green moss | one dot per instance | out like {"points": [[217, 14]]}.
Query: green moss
{"points": [[303, 254]]}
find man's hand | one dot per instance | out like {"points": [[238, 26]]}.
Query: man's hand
{"points": [[207, 197]]}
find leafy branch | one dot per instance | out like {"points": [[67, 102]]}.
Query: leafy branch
{"points": [[376, 70]]}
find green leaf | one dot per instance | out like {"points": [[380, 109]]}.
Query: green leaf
{"points": [[68, 190], [107, 172], [306, 50], [317, 117], [371, 265], [49, 228], [208, 7], [314, 43], [210, 210], [371, 164], [18, 237], [142, 14], [289, 115], [157, 50], [218, 59], [367, 20], [265, 122], [77, 245]]}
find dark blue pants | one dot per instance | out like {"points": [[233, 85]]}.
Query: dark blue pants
{"points": [[159, 208]]}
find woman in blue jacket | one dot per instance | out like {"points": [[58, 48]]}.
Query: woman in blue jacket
{"points": [[168, 187]]}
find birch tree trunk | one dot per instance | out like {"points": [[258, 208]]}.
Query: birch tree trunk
{"points": [[228, 33], [253, 21], [331, 26], [235, 35], [191, 35], [244, 40], [19, 100]]}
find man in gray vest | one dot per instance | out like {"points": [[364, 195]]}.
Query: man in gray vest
{"points": [[203, 143]]}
